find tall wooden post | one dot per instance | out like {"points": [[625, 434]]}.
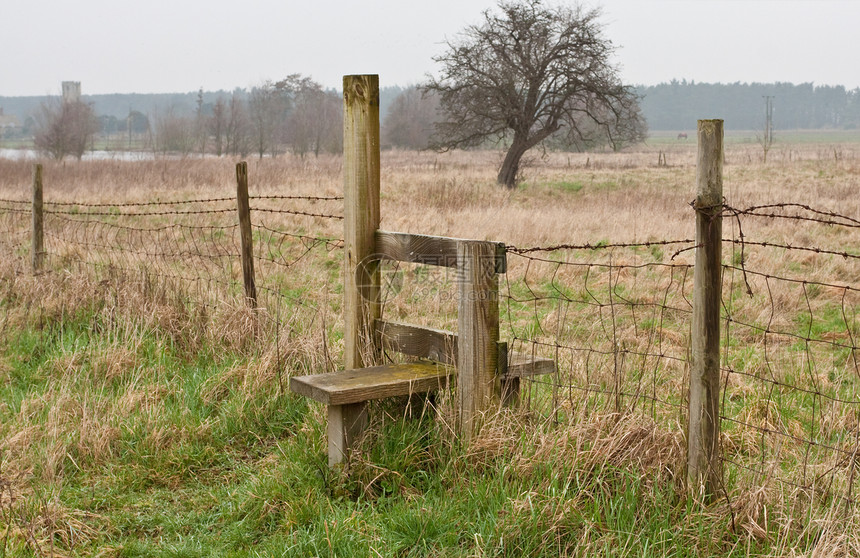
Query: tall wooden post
{"points": [[478, 386], [703, 440], [37, 248], [361, 269], [247, 242]]}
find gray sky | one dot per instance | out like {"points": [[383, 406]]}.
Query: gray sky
{"points": [[145, 46]]}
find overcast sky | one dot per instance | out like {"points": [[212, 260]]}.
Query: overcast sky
{"points": [[146, 46]]}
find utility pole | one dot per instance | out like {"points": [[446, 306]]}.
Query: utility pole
{"points": [[768, 114], [128, 125], [767, 140]]}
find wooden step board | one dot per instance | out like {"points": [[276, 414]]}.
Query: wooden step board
{"points": [[522, 366], [442, 346], [377, 382]]}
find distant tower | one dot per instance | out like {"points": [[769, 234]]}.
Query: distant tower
{"points": [[71, 91]]}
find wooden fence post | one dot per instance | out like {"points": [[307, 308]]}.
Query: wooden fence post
{"points": [[704, 471], [247, 242], [37, 248], [361, 269], [478, 385]]}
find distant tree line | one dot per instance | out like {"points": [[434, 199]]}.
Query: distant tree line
{"points": [[292, 114], [410, 119], [297, 114], [677, 105]]}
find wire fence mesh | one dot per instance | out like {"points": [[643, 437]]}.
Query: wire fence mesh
{"points": [[615, 318], [188, 251]]}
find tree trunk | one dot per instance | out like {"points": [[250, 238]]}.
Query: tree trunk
{"points": [[511, 166]]}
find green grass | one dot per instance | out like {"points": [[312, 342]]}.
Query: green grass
{"points": [[152, 425], [227, 472]]}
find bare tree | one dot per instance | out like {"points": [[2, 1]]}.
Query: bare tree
{"points": [[237, 134], [65, 128], [201, 130], [174, 133], [528, 73], [218, 124], [410, 119], [269, 105], [315, 122]]}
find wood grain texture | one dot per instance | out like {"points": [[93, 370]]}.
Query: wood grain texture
{"points": [[442, 346], [422, 342], [430, 250], [478, 386], [377, 382], [522, 366], [703, 453], [361, 217], [346, 424], [247, 242]]}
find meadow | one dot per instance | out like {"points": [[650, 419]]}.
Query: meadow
{"points": [[144, 408]]}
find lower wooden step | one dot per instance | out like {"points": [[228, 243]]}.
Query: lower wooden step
{"points": [[377, 382], [522, 366]]}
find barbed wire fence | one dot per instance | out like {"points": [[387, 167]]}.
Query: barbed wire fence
{"points": [[616, 320], [790, 406], [15, 227], [615, 317], [612, 318], [186, 255]]}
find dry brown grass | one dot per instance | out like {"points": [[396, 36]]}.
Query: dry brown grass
{"points": [[567, 199]]}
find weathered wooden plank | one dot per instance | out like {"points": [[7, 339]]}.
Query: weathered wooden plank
{"points": [[442, 346], [422, 342], [522, 366], [431, 250], [377, 382]]}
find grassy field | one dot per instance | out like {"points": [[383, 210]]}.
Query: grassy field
{"points": [[144, 412]]}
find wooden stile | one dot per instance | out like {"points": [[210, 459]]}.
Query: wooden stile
{"points": [[361, 216], [377, 382], [482, 362]]}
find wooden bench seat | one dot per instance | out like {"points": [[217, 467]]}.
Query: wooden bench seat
{"points": [[345, 392], [391, 380], [377, 382]]}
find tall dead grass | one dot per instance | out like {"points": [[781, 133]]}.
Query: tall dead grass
{"points": [[566, 199]]}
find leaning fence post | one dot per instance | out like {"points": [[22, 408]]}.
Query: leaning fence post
{"points": [[703, 440], [37, 249], [247, 243], [361, 270]]}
